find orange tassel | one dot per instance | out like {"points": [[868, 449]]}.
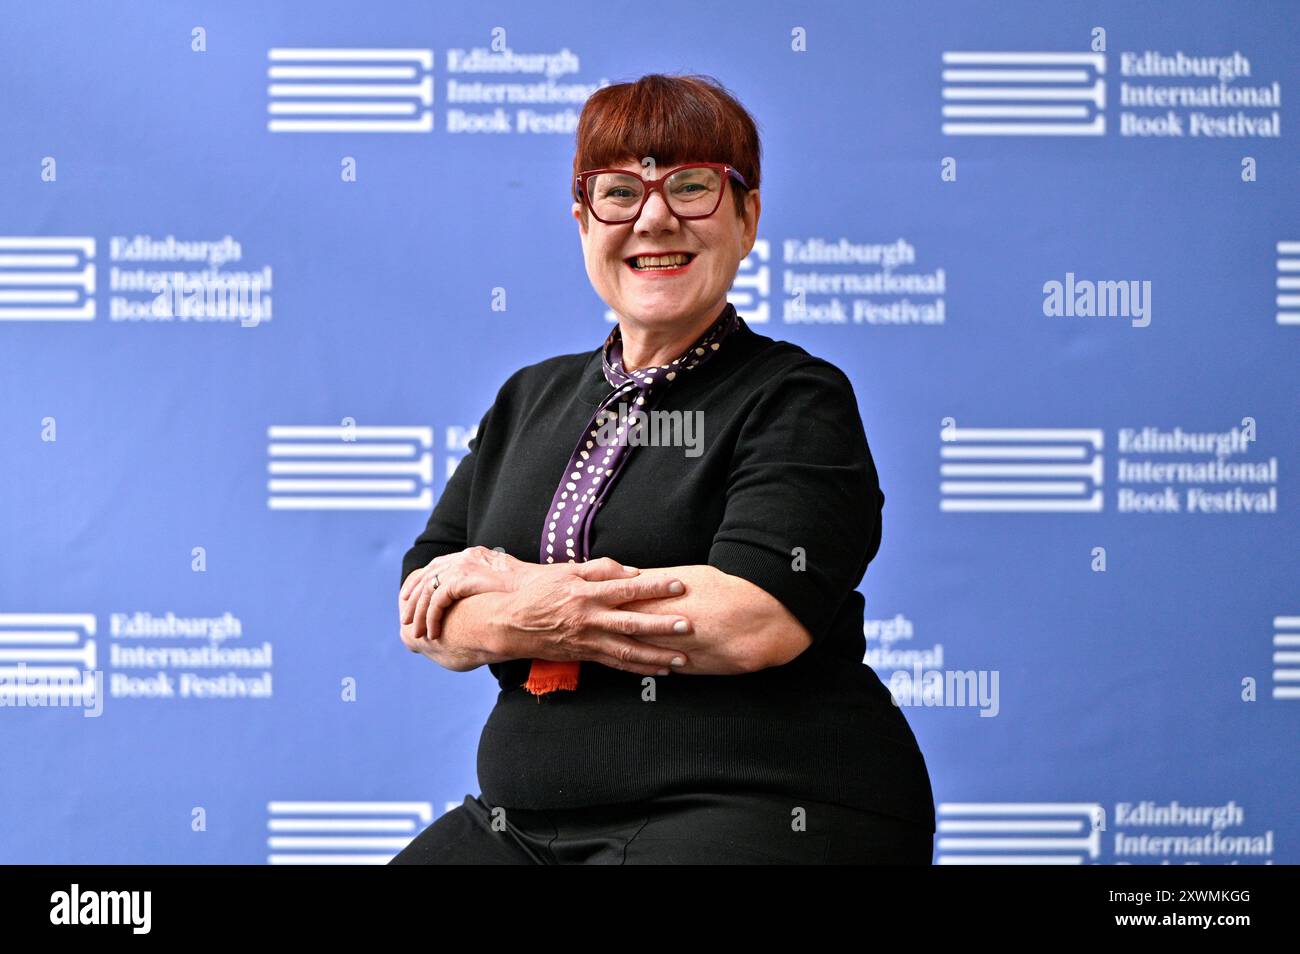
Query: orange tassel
{"points": [[547, 675]]}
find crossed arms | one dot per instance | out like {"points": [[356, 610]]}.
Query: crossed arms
{"points": [[489, 607]]}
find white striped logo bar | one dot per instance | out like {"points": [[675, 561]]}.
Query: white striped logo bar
{"points": [[349, 467], [1001, 469], [47, 279], [1023, 94], [342, 833], [350, 90]]}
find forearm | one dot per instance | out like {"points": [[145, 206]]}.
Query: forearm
{"points": [[736, 626], [467, 630]]}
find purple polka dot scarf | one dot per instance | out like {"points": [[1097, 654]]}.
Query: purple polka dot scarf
{"points": [[596, 462]]}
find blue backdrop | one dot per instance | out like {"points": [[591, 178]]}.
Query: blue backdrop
{"points": [[1086, 592]]}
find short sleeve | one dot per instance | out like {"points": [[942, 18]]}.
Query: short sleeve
{"points": [[447, 527], [802, 517]]}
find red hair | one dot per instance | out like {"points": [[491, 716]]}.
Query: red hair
{"points": [[674, 119]]}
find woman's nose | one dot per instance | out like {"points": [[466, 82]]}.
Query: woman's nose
{"points": [[655, 213]]}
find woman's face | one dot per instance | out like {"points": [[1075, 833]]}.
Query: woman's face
{"points": [[683, 295]]}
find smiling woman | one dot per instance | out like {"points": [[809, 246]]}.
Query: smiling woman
{"points": [[580, 562]]}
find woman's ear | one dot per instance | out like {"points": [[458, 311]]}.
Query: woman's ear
{"points": [[753, 209], [580, 213]]}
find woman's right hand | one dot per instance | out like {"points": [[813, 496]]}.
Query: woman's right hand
{"points": [[465, 573], [571, 613]]}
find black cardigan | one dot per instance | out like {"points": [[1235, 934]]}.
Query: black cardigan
{"points": [[784, 494]]}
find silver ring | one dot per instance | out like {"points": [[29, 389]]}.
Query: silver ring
{"points": [[436, 584]]}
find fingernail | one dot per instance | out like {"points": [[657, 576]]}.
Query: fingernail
{"points": [[681, 626], [679, 661], [675, 586], [631, 569], [663, 672]]}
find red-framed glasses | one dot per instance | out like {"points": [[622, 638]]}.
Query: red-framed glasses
{"points": [[692, 191]]}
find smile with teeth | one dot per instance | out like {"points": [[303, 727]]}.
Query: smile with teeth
{"points": [[650, 263]]}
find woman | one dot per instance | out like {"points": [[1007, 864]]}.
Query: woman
{"points": [[725, 561]]}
